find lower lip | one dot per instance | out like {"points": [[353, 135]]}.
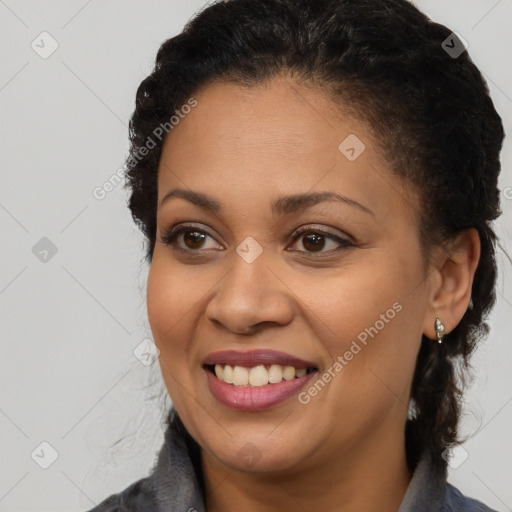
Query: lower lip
{"points": [[249, 398]]}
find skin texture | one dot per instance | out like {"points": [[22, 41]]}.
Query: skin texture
{"points": [[344, 450]]}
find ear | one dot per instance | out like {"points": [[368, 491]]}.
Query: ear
{"points": [[451, 282]]}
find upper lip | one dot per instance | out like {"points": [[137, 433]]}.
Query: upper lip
{"points": [[256, 357]]}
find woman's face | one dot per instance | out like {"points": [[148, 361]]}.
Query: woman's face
{"points": [[347, 298]]}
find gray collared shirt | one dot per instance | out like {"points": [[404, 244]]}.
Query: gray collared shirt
{"points": [[172, 486]]}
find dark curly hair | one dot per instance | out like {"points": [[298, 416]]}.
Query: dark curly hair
{"points": [[384, 62]]}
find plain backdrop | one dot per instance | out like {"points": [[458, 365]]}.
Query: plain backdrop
{"points": [[72, 273]]}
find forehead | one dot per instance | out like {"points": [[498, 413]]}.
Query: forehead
{"points": [[279, 114], [274, 139]]}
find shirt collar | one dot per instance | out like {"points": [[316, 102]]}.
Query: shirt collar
{"points": [[426, 489]]}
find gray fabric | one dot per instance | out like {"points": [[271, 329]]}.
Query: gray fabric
{"points": [[429, 491], [172, 486]]}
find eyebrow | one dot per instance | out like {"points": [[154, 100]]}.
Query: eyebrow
{"points": [[285, 205]]}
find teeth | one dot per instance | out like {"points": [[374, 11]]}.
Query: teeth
{"points": [[289, 373], [258, 375], [275, 374], [228, 374], [301, 372], [240, 376]]}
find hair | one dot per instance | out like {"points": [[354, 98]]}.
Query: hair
{"points": [[431, 113]]}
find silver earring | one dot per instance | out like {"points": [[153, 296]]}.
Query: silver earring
{"points": [[440, 330]]}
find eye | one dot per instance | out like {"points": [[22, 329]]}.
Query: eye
{"points": [[315, 240], [189, 238], [193, 238]]}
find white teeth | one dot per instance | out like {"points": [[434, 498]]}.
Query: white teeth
{"points": [[275, 374], [257, 375], [301, 372], [240, 376], [228, 374], [289, 373]]}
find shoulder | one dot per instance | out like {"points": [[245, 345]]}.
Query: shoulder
{"points": [[138, 497], [455, 501]]}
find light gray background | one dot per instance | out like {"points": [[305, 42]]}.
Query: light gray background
{"points": [[68, 374]]}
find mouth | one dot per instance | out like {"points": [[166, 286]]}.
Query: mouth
{"points": [[256, 376], [256, 380]]}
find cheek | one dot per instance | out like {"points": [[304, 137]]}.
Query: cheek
{"points": [[170, 299], [172, 292], [162, 301], [168, 302], [353, 299], [371, 320]]}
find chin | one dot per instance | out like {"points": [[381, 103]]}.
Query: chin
{"points": [[247, 450], [248, 457]]}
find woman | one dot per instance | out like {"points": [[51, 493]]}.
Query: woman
{"points": [[316, 181]]}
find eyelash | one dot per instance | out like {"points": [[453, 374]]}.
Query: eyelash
{"points": [[170, 236]]}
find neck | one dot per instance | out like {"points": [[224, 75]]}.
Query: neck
{"points": [[372, 477]]}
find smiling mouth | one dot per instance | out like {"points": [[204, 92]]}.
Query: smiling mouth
{"points": [[257, 376]]}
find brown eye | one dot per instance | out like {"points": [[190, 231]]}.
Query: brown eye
{"points": [[313, 242], [188, 238], [193, 239]]}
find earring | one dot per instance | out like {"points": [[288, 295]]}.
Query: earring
{"points": [[440, 330]]}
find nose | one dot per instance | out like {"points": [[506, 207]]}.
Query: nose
{"points": [[250, 296]]}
